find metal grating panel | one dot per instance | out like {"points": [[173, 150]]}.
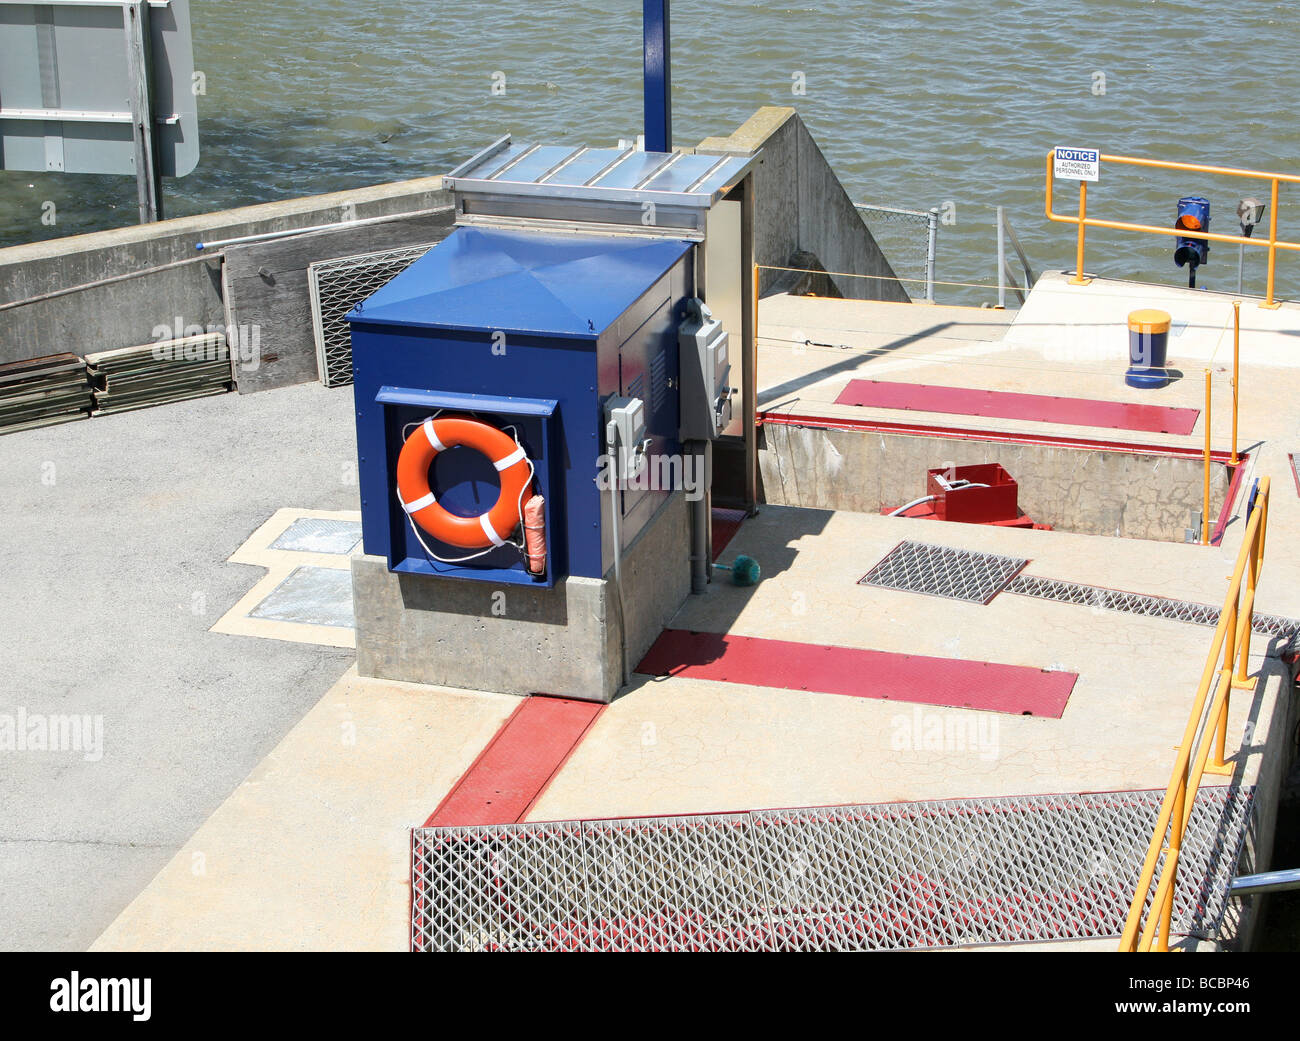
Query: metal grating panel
{"points": [[891, 876], [957, 574], [339, 285], [310, 596], [1143, 604], [320, 535]]}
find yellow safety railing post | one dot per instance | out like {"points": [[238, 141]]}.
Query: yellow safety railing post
{"points": [[1230, 645], [1236, 372], [1242, 680], [1272, 246], [1205, 504], [1078, 279], [1206, 731]]}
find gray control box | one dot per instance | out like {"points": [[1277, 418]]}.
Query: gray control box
{"points": [[706, 374], [625, 436]]}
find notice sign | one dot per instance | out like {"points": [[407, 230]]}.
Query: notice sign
{"points": [[1076, 164]]}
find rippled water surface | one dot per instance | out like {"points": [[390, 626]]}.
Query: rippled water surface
{"points": [[916, 104]]}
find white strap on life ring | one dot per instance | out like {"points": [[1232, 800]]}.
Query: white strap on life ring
{"points": [[419, 504], [432, 435], [490, 531], [518, 455]]}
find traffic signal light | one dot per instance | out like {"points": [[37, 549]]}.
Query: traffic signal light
{"points": [[1193, 215]]}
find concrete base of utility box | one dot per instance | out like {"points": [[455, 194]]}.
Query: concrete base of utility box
{"points": [[565, 641]]}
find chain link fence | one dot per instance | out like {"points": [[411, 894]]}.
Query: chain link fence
{"points": [[909, 239]]}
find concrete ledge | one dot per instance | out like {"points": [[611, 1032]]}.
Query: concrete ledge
{"points": [[125, 313], [1092, 492], [801, 206], [564, 641]]}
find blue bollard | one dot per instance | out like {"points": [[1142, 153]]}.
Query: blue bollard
{"points": [[1148, 345]]}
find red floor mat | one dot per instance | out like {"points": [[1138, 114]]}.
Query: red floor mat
{"points": [[514, 769], [1039, 408], [857, 673]]}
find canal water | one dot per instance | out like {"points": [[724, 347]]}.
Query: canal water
{"points": [[917, 104]]}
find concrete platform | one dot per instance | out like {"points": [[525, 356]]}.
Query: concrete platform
{"points": [[283, 873], [1066, 340], [680, 745], [310, 849], [116, 534], [1069, 340]]}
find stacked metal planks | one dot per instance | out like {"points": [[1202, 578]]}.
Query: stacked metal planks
{"points": [[40, 391], [157, 373]]}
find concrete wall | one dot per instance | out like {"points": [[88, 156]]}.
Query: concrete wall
{"points": [[1272, 735], [125, 314], [563, 641], [1092, 492], [801, 206]]}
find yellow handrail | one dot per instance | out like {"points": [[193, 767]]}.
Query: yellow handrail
{"points": [[1082, 220], [1206, 731]]}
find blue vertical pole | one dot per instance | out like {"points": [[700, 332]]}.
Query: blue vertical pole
{"points": [[658, 81]]}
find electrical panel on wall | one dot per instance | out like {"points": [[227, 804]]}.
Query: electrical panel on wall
{"points": [[706, 374]]}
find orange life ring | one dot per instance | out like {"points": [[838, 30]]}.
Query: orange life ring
{"points": [[417, 499]]}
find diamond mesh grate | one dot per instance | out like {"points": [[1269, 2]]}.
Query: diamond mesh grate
{"points": [[957, 574], [339, 285], [1143, 604], [885, 877]]}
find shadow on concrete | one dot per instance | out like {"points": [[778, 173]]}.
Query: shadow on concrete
{"points": [[769, 394], [770, 538]]}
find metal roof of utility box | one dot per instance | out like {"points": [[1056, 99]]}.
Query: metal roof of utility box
{"points": [[510, 182], [564, 285]]}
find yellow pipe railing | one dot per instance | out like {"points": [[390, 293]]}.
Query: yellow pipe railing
{"points": [[1082, 220], [1236, 375], [1206, 732], [1205, 500]]}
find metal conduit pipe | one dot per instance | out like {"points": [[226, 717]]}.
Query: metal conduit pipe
{"points": [[611, 447], [701, 550], [1265, 882]]}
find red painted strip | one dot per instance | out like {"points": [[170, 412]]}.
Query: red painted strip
{"points": [[1225, 514], [1294, 472], [725, 525], [510, 774], [859, 673], [1001, 404], [874, 426]]}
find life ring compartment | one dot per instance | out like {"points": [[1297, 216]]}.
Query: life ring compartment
{"points": [[437, 435], [462, 479]]}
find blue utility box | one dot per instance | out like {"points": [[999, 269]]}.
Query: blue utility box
{"points": [[532, 332]]}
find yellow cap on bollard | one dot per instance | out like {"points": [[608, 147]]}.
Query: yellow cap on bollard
{"points": [[1148, 320]]}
